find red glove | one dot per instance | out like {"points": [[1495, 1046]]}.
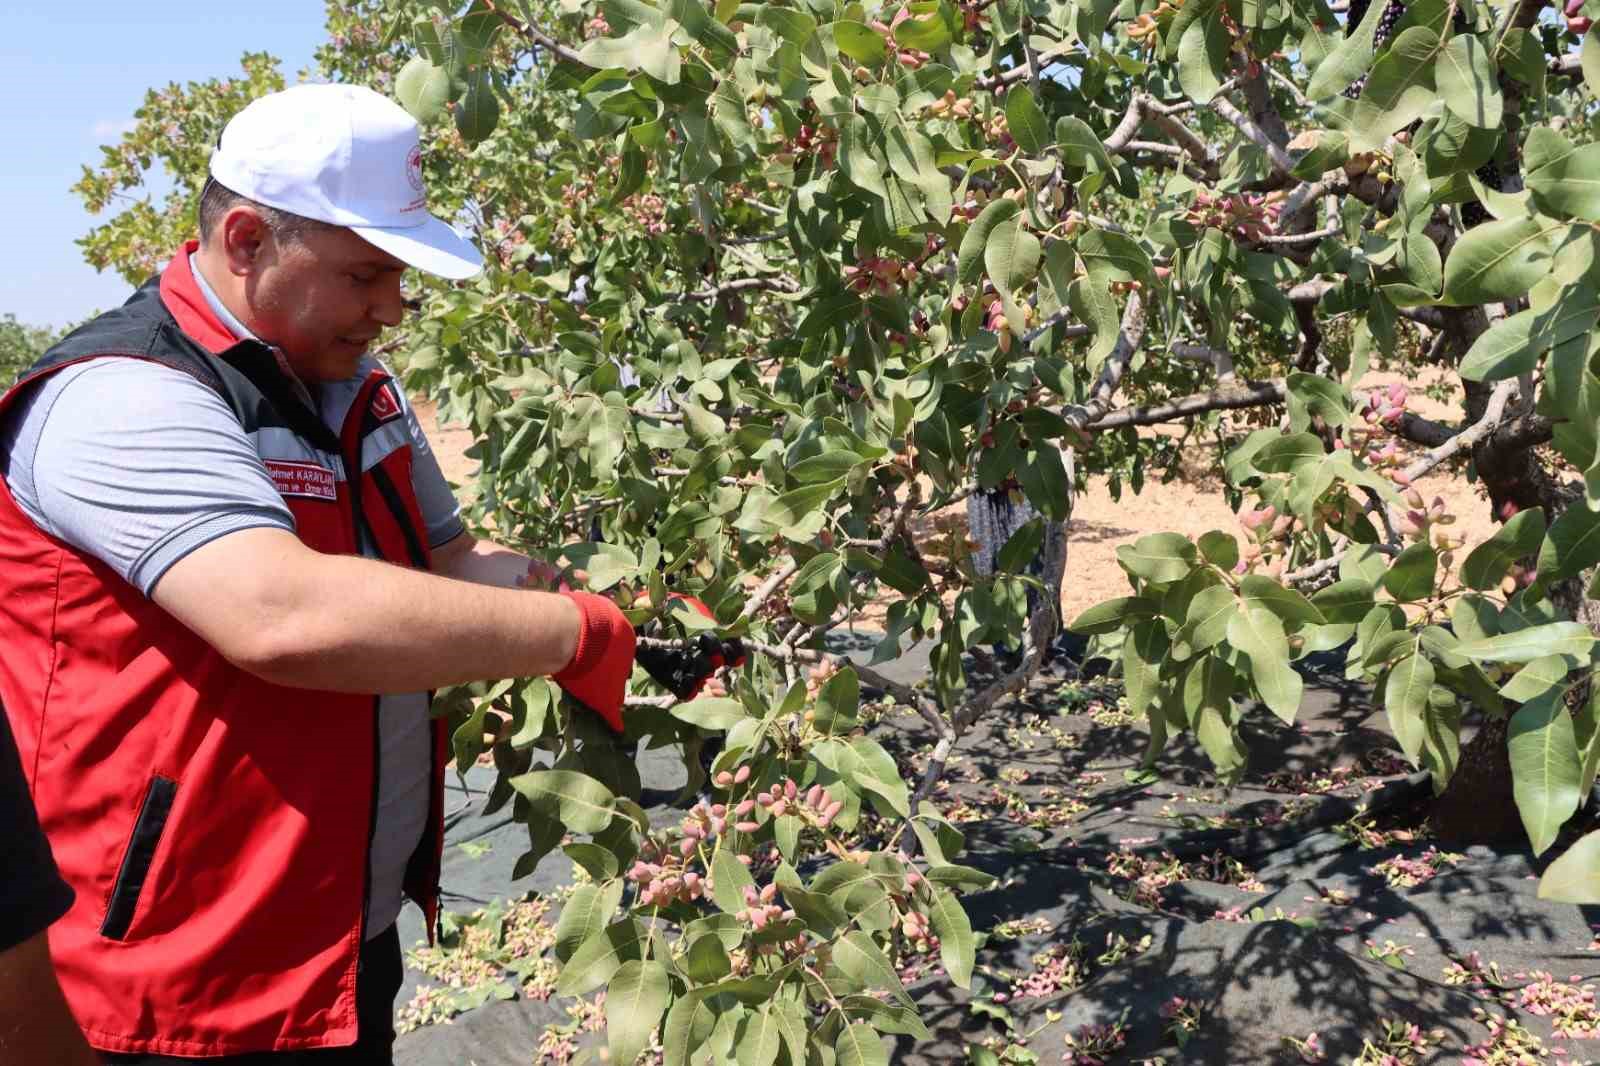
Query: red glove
{"points": [[597, 676], [716, 658]]}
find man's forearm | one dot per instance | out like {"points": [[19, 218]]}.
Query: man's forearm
{"points": [[346, 624], [482, 562], [35, 1022]]}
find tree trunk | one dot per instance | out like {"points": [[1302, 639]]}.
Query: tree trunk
{"points": [[1477, 806]]}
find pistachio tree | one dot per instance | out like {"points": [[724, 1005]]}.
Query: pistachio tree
{"points": [[774, 286]]}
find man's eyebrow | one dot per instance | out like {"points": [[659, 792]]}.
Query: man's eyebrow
{"points": [[382, 265]]}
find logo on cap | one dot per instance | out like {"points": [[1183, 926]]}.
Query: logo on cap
{"points": [[414, 168]]}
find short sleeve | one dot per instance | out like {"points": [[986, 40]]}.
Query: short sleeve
{"points": [[441, 511], [32, 893], [138, 465]]}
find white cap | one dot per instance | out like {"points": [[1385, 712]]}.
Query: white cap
{"points": [[346, 155]]}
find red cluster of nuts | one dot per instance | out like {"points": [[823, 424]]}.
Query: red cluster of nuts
{"points": [[817, 804], [1247, 216], [880, 273], [821, 139]]}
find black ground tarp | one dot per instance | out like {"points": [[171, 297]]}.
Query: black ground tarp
{"points": [[1306, 900]]}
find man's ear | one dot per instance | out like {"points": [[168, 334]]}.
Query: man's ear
{"points": [[244, 235]]}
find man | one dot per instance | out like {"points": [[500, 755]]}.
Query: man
{"points": [[230, 573], [35, 1024]]}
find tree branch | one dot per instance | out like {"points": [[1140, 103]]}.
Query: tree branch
{"points": [[1466, 438], [1252, 395], [778, 283], [1275, 154], [1129, 338]]}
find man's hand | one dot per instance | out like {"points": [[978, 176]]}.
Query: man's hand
{"points": [[597, 676], [692, 671]]}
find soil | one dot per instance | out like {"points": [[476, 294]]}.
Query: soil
{"points": [[1192, 503]]}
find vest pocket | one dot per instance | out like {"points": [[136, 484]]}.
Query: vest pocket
{"points": [[136, 859]]}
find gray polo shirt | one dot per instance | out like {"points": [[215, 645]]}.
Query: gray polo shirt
{"points": [[138, 464]]}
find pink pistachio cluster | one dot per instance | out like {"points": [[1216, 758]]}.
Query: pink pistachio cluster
{"points": [[1421, 520], [1095, 1045], [1269, 535], [1310, 1049], [817, 805], [1385, 405], [1509, 1043], [1571, 1005], [909, 58], [884, 274], [759, 909], [1246, 216], [1056, 968], [821, 139]]}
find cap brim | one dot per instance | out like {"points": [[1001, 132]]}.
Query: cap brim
{"points": [[432, 247]]}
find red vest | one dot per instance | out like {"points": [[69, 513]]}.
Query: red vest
{"points": [[215, 826]]}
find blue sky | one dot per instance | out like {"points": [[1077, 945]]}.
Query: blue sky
{"points": [[72, 74]]}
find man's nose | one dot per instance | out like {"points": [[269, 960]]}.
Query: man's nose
{"points": [[388, 308]]}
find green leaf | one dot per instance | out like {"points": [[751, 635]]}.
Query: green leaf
{"points": [[860, 163], [1111, 615], [1025, 120], [730, 879], [1520, 537], [1500, 260], [1159, 557], [1113, 256], [1259, 591], [1044, 481], [1544, 768], [688, 1029], [598, 862], [1563, 179], [585, 914], [1537, 678], [1535, 642], [1350, 60], [1205, 621], [828, 466], [635, 999], [860, 1045], [1345, 601], [1203, 56], [1590, 58], [1011, 258], [647, 47], [866, 966], [759, 1039], [423, 89], [1575, 875], [1571, 545], [1411, 576], [1312, 394], [1258, 633], [1080, 147], [1398, 91], [709, 712], [859, 41], [599, 958], [1405, 698], [957, 947], [796, 504], [585, 805], [974, 244], [1513, 345], [478, 113], [1467, 82], [1142, 654], [1219, 549]]}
